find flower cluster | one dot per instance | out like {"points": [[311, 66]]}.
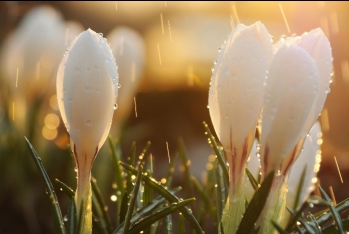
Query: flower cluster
{"points": [[282, 87]]}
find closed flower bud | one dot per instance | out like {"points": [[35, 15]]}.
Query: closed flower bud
{"points": [[87, 89]]}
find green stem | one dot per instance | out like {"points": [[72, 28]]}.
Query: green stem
{"points": [[85, 214], [234, 207], [275, 207]]}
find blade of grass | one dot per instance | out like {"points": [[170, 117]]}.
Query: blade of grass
{"points": [[66, 189], [279, 228], [252, 180], [170, 170], [208, 204], [124, 207], [335, 214], [144, 153], [168, 195], [158, 215], [133, 198], [333, 228], [220, 157], [118, 172], [299, 188], [168, 224], [295, 216], [181, 227], [313, 222], [72, 218], [340, 207], [186, 166], [98, 218], [101, 203], [56, 210], [256, 205]]}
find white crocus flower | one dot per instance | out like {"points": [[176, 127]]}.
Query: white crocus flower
{"points": [[295, 92], [235, 103], [129, 53], [87, 89]]}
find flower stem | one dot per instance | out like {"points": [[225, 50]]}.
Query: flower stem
{"points": [[275, 207], [85, 214], [234, 207]]}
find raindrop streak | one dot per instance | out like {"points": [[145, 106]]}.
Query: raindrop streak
{"points": [[66, 36], [283, 15], [235, 14], [169, 29], [232, 22], [122, 45], [325, 123], [339, 172], [334, 22], [345, 70], [332, 196], [159, 54], [168, 153], [13, 111], [134, 99], [162, 24], [38, 70], [17, 78]]}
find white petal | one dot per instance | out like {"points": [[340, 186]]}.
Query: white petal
{"points": [[237, 85], [290, 95], [309, 157], [318, 46]]}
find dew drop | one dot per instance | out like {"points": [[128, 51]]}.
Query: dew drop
{"points": [[115, 106]]}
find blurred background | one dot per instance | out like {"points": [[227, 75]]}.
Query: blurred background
{"points": [[167, 50]]}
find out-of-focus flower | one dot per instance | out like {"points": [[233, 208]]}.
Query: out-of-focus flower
{"points": [[86, 90], [235, 103], [32, 52], [128, 50]]}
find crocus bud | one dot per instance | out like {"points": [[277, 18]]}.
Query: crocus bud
{"points": [[236, 92], [235, 102], [86, 90], [129, 52], [291, 92]]}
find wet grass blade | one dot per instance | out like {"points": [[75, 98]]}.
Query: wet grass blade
{"points": [[186, 166], [168, 195], [72, 218], [181, 226], [333, 228], [168, 224], [340, 207], [118, 172], [300, 188], [295, 216], [256, 205], [146, 222], [252, 180], [98, 219], [208, 204], [100, 201], [131, 160], [335, 214], [313, 222], [66, 189], [220, 157], [144, 153], [133, 198], [124, 207], [279, 228], [220, 196], [56, 211]]}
